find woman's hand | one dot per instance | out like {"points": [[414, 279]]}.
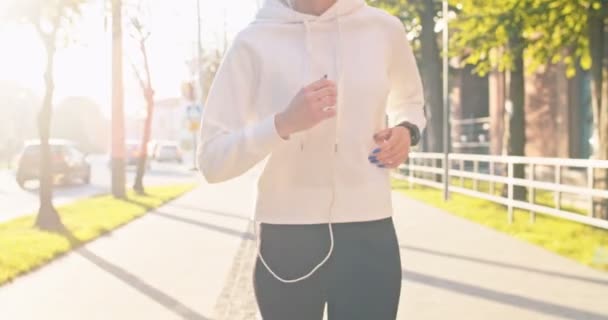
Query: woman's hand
{"points": [[394, 147], [313, 104]]}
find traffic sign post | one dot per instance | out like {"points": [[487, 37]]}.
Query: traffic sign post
{"points": [[193, 120]]}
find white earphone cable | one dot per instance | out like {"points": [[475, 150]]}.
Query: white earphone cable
{"points": [[333, 197]]}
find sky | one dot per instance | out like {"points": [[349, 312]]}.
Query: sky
{"points": [[83, 64]]}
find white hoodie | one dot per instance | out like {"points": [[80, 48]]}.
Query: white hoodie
{"points": [[322, 174]]}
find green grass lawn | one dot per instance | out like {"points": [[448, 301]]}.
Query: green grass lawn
{"points": [[570, 239], [541, 197], [24, 247]]}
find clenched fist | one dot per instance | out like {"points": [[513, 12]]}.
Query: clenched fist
{"points": [[313, 104], [393, 147]]}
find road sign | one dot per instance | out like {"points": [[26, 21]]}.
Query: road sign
{"points": [[193, 126], [194, 112], [193, 116]]}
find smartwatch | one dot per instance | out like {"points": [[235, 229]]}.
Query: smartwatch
{"points": [[414, 132]]}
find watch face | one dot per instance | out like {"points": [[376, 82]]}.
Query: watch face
{"points": [[414, 132]]}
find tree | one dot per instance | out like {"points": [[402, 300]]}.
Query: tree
{"points": [[431, 73], [574, 32], [597, 36], [51, 19], [595, 30], [495, 35], [419, 18], [118, 121], [145, 83]]}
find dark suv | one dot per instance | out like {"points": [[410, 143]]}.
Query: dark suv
{"points": [[69, 164]]}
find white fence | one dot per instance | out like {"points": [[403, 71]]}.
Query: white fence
{"points": [[498, 171]]}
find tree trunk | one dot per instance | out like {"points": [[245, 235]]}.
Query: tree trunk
{"points": [[48, 218], [517, 123], [138, 186], [118, 125], [600, 207], [431, 76], [597, 35], [146, 86], [199, 56]]}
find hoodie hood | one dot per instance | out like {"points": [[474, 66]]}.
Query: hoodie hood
{"points": [[278, 11]]}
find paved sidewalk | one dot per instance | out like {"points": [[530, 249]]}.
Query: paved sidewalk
{"points": [[460, 270], [455, 269], [192, 259], [169, 264]]}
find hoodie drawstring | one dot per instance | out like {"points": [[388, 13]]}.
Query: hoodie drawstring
{"points": [[339, 73], [339, 82], [309, 51]]}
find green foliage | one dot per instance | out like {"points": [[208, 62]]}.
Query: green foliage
{"points": [[408, 11], [560, 33], [552, 31], [483, 30]]}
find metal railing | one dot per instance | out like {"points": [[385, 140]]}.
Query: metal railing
{"points": [[471, 135], [498, 171]]}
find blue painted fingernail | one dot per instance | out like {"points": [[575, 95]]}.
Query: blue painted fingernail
{"points": [[380, 166], [372, 158], [374, 161], [376, 150]]}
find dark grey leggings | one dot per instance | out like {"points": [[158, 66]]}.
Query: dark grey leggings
{"points": [[362, 279]]}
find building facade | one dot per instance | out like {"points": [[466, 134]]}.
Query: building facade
{"points": [[169, 123], [559, 118], [558, 113]]}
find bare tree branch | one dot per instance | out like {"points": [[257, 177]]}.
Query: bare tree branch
{"points": [[140, 80]]}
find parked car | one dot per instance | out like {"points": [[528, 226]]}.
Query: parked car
{"points": [[152, 148], [168, 152], [68, 163], [133, 150]]}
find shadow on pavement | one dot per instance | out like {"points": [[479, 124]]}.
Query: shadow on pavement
{"points": [[171, 172], [506, 265], [207, 211], [513, 300], [141, 204], [232, 232], [141, 286], [70, 190]]}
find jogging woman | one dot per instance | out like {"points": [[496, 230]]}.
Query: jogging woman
{"points": [[329, 92]]}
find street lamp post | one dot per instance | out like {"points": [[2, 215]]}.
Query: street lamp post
{"points": [[199, 72], [118, 122], [446, 107]]}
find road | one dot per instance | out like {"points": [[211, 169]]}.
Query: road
{"points": [[15, 202]]}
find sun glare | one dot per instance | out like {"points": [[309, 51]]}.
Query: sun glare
{"points": [[83, 65]]}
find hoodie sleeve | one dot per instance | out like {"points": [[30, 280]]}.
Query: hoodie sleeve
{"points": [[233, 137], [406, 96]]}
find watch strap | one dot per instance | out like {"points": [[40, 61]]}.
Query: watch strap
{"points": [[414, 132]]}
